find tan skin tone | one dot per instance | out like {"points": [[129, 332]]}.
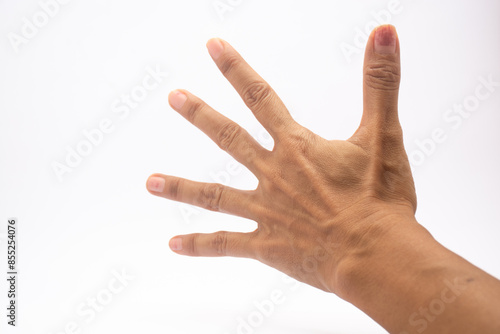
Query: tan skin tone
{"points": [[338, 215]]}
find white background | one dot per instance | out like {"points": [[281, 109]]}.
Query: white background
{"points": [[99, 219]]}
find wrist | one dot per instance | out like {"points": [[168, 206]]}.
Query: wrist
{"points": [[384, 246], [400, 276]]}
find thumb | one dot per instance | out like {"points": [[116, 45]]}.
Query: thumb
{"points": [[381, 76]]}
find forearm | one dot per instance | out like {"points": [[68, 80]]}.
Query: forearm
{"points": [[409, 283]]}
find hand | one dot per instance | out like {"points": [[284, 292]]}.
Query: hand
{"points": [[316, 198], [338, 215]]}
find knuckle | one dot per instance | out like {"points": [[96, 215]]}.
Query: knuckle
{"points": [[227, 135], [300, 141], [249, 152], [193, 109], [211, 196], [189, 245], [229, 63], [256, 93], [174, 188], [392, 137], [219, 243], [383, 75]]}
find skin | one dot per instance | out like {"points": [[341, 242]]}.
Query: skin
{"points": [[338, 215]]}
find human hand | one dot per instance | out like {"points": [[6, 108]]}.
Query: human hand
{"points": [[338, 215], [318, 202]]}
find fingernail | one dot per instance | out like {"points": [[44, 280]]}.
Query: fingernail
{"points": [[215, 48], [156, 184], [175, 244], [177, 99], [385, 39]]}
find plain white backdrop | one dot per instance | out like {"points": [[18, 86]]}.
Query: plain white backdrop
{"points": [[66, 69]]}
